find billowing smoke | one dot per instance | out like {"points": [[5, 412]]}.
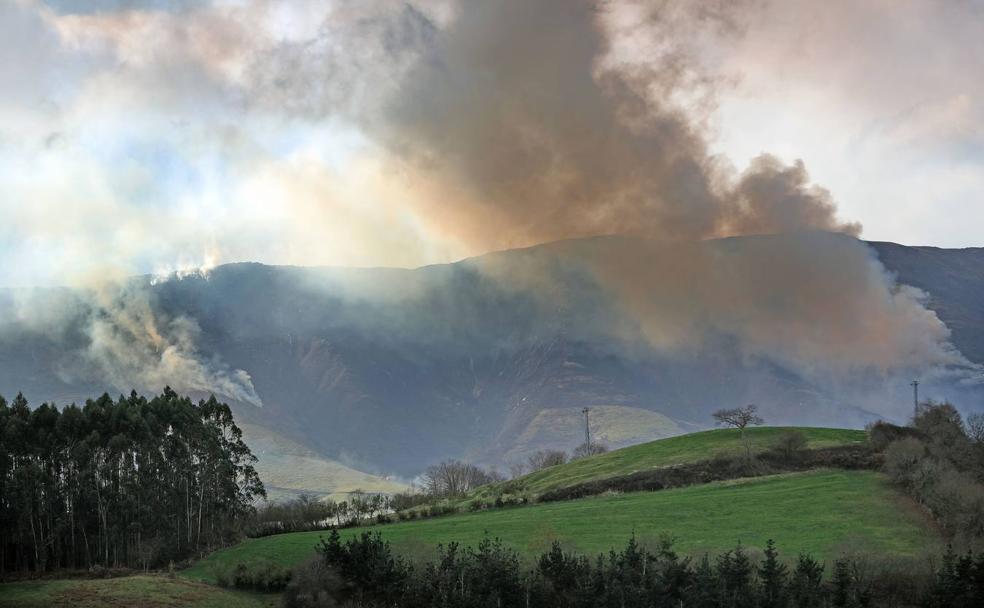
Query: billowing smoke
{"points": [[115, 336], [519, 123], [524, 122], [484, 125]]}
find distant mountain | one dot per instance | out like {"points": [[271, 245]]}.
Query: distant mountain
{"points": [[488, 359]]}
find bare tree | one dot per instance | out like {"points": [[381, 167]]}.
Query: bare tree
{"points": [[739, 418], [546, 458], [975, 427], [589, 449], [454, 478], [517, 469]]}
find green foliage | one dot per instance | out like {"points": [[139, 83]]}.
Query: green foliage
{"points": [[812, 512], [773, 579], [683, 449], [790, 445], [259, 575], [364, 572], [145, 591], [942, 468], [132, 482], [806, 581]]}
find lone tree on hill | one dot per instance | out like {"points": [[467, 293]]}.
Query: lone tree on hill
{"points": [[739, 418]]}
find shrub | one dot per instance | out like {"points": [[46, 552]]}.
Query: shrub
{"points": [[545, 459], [313, 585], [589, 449], [789, 446], [260, 575], [902, 458], [881, 434]]}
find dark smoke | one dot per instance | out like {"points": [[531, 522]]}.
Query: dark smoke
{"points": [[521, 123]]}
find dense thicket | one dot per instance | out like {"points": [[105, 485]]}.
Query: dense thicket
{"points": [[939, 461], [126, 483], [365, 572]]}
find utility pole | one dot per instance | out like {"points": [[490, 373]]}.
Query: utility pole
{"points": [[587, 428], [915, 398]]}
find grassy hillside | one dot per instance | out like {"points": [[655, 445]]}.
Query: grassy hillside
{"points": [[820, 512], [288, 468], [143, 591], [664, 452]]}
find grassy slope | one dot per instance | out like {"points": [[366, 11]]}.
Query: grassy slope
{"points": [[820, 512], [664, 452], [145, 591]]}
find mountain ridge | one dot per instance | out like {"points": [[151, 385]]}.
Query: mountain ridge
{"points": [[391, 369]]}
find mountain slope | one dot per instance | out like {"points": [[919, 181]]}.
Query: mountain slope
{"points": [[488, 359], [954, 280], [288, 469]]}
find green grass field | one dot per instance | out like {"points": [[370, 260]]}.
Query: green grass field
{"points": [[819, 512], [144, 591], [664, 452]]}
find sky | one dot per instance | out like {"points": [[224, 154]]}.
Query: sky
{"points": [[151, 136]]}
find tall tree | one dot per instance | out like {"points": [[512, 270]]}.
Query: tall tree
{"points": [[132, 482]]}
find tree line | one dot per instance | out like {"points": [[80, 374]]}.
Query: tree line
{"points": [[132, 482], [939, 461], [365, 572]]}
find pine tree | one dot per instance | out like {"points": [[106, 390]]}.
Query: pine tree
{"points": [[842, 584], [773, 579], [806, 587]]}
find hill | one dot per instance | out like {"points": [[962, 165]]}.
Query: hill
{"points": [[288, 468], [665, 452], [820, 512], [389, 370], [613, 425]]}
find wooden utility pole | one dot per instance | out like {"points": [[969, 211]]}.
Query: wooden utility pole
{"points": [[587, 428]]}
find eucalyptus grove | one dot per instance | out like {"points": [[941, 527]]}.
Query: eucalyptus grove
{"points": [[125, 483]]}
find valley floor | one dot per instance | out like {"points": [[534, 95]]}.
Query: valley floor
{"points": [[824, 513]]}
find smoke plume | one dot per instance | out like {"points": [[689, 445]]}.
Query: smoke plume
{"points": [[115, 336], [519, 123], [479, 125], [524, 122]]}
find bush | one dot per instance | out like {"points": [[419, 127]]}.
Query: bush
{"points": [[902, 458], [881, 434], [545, 459], [313, 585], [789, 446], [589, 449], [260, 575]]}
